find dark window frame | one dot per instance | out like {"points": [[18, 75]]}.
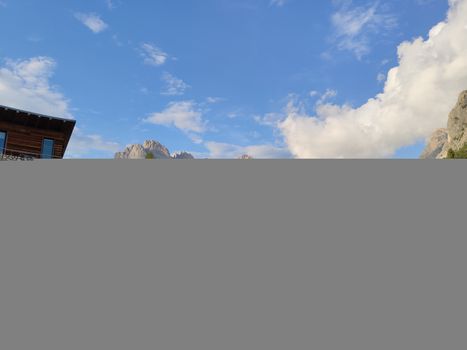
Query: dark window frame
{"points": [[42, 148]]}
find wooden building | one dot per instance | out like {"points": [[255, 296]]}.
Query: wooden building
{"points": [[31, 135]]}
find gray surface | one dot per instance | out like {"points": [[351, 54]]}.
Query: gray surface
{"points": [[233, 255]]}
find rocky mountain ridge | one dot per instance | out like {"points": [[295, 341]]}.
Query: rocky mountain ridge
{"points": [[150, 149], [245, 157], [447, 141]]}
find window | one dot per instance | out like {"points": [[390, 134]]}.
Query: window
{"points": [[2, 142], [47, 149]]}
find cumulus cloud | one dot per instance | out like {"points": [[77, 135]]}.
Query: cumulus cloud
{"points": [[153, 55], [416, 100], [184, 115], [354, 25], [173, 85], [82, 145], [327, 95], [24, 84], [92, 21]]}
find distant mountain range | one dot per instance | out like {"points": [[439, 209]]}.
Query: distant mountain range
{"points": [[150, 150], [155, 150]]}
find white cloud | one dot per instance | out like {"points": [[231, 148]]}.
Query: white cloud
{"points": [[153, 55], [184, 115], [354, 24], [327, 95], [417, 98], [24, 84], [314, 93], [274, 120], [92, 21], [174, 86], [214, 100], [82, 145], [269, 119]]}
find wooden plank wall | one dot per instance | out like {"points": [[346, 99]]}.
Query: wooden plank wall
{"points": [[29, 140]]}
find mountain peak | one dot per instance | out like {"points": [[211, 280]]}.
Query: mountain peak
{"points": [[149, 147], [182, 155], [454, 137], [245, 156]]}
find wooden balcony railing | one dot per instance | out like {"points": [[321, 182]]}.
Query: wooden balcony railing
{"points": [[17, 155]]}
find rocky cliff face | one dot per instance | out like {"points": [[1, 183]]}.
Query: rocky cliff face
{"points": [[158, 150], [436, 144], [183, 155], [454, 137], [245, 157]]}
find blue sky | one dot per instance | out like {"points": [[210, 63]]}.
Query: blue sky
{"points": [[220, 78]]}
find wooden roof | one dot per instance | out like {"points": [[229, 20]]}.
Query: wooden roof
{"points": [[36, 120]]}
